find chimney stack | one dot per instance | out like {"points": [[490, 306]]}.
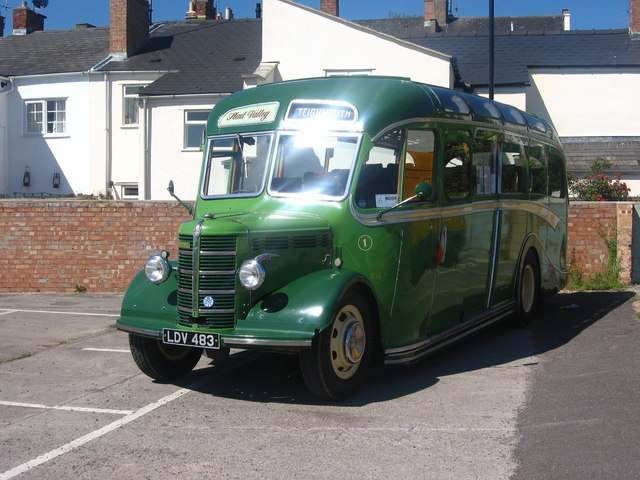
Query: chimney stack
{"points": [[1, 26], [26, 20], [332, 7], [129, 26], [435, 14], [634, 17], [201, 10]]}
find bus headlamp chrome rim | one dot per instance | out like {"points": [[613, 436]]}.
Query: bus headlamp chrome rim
{"points": [[251, 274], [157, 269]]}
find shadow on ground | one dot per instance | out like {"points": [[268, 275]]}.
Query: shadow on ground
{"points": [[270, 377]]}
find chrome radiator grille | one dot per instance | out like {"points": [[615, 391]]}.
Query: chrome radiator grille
{"points": [[215, 278]]}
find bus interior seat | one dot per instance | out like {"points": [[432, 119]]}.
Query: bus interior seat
{"points": [[286, 184], [376, 179]]}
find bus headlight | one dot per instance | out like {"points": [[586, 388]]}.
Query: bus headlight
{"points": [[157, 269], [251, 274]]}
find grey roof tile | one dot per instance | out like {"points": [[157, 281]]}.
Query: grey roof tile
{"points": [[201, 57], [53, 51]]}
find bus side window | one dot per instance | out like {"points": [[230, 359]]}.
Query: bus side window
{"points": [[512, 180], [556, 174], [485, 145], [418, 161], [457, 165], [378, 182], [537, 169]]}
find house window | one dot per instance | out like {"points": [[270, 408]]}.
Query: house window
{"points": [[130, 105], [195, 124], [130, 191], [348, 72], [46, 116]]}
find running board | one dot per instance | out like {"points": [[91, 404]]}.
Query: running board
{"points": [[411, 353]]}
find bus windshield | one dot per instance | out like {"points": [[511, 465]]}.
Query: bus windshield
{"points": [[236, 164], [318, 164], [313, 164]]}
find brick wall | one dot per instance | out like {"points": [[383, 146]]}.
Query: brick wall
{"points": [[52, 246], [55, 246], [129, 28], [588, 221]]}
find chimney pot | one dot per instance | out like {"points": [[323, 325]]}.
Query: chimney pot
{"points": [[332, 7]]}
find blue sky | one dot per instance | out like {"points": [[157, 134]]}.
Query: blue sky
{"points": [[585, 14]]}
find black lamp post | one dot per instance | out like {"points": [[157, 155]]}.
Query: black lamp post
{"points": [[491, 49]]}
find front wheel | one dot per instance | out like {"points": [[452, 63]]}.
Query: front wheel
{"points": [[338, 361], [160, 361]]}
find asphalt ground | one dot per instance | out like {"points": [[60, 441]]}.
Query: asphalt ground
{"points": [[556, 400]]}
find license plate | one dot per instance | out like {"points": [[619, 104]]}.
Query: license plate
{"points": [[190, 339]]}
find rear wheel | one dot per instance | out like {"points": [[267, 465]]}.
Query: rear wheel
{"points": [[160, 361], [528, 289], [338, 361]]}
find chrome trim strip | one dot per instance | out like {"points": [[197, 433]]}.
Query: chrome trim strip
{"points": [[204, 311], [209, 292], [210, 273], [497, 221], [431, 213], [409, 353], [195, 278], [212, 253], [263, 342], [138, 331]]}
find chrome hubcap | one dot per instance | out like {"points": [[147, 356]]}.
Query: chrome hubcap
{"points": [[348, 342], [528, 289]]}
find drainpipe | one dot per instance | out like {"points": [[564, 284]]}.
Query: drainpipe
{"points": [[107, 137], [144, 189]]}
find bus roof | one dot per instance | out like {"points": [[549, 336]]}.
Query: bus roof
{"points": [[364, 103]]}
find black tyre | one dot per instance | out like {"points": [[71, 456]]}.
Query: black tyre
{"points": [[337, 363], [160, 361], [528, 290]]}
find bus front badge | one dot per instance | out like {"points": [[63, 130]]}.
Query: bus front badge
{"points": [[208, 302]]}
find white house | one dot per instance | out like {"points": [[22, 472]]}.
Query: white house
{"points": [[115, 111]]}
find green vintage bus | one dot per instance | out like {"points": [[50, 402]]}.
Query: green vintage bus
{"points": [[355, 219]]}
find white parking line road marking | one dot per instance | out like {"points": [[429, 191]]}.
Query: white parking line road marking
{"points": [[115, 350], [95, 434], [66, 313], [6, 312], [66, 407]]}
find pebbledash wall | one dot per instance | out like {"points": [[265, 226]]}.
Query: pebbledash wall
{"points": [[98, 246]]}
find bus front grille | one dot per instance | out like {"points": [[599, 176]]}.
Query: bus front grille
{"points": [[215, 264]]}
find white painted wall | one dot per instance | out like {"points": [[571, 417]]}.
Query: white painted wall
{"points": [[127, 143], [306, 42], [65, 153], [169, 160], [587, 102]]}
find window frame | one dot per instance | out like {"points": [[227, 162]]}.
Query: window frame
{"points": [[48, 107], [187, 123], [131, 97]]}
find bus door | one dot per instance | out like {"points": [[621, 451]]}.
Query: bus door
{"points": [[463, 250], [420, 223]]}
